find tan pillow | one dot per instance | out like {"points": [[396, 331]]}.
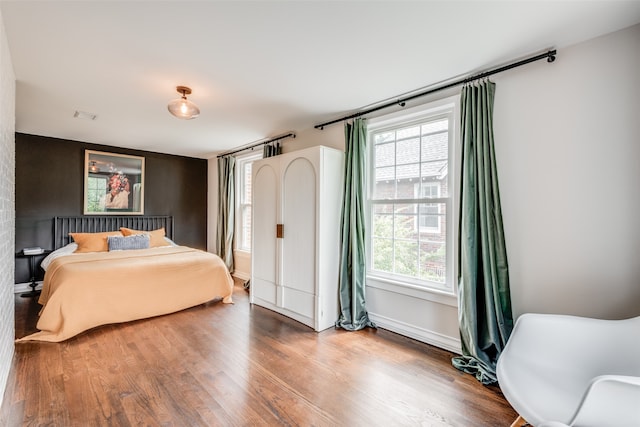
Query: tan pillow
{"points": [[93, 242], [157, 236]]}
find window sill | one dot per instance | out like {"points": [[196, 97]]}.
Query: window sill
{"points": [[414, 291]]}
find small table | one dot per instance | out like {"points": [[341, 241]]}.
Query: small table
{"points": [[32, 271]]}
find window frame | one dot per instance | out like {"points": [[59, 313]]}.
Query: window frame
{"points": [[421, 288], [241, 204]]}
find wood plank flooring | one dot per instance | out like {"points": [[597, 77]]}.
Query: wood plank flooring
{"points": [[238, 365]]}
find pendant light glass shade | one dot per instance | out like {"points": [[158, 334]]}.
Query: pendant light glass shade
{"points": [[182, 108]]}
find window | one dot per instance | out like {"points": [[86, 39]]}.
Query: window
{"points": [[243, 217], [410, 202]]}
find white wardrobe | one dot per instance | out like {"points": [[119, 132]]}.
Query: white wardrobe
{"points": [[297, 199]]}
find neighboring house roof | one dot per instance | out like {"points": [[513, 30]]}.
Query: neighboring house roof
{"points": [[410, 163]]}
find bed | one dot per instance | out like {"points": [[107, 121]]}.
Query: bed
{"points": [[85, 287]]}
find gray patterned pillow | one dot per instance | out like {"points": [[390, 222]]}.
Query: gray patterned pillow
{"points": [[136, 241]]}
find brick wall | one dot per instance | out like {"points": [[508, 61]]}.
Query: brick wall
{"points": [[7, 208]]}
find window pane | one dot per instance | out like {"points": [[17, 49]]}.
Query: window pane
{"points": [[433, 220], [385, 174], [246, 194], [385, 155], [408, 132], [429, 216], [383, 221], [433, 261], [406, 257], [434, 170], [435, 147], [382, 252], [405, 220], [433, 242], [385, 183], [384, 137], [406, 172], [408, 151], [435, 126], [430, 189], [246, 228]]}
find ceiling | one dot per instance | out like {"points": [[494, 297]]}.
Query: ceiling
{"points": [[260, 69]]}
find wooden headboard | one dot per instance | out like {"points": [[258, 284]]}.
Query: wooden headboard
{"points": [[63, 225]]}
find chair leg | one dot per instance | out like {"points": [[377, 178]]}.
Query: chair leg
{"points": [[520, 422]]}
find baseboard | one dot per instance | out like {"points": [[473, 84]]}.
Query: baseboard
{"points": [[433, 338], [24, 287], [242, 265]]}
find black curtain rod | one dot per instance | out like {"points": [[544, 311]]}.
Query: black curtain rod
{"points": [[278, 138], [550, 55]]}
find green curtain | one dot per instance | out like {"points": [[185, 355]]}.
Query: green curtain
{"points": [[270, 150], [483, 283], [353, 313], [226, 209]]}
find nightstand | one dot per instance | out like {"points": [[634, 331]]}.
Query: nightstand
{"points": [[32, 271]]}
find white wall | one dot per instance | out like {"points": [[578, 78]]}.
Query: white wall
{"points": [[7, 208], [568, 151]]}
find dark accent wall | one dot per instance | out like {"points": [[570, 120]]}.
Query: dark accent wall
{"points": [[50, 182]]}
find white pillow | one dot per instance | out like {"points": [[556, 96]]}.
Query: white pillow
{"points": [[65, 250]]}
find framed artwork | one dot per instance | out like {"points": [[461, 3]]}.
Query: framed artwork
{"points": [[113, 184]]}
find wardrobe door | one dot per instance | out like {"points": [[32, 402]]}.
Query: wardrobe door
{"points": [[299, 240], [264, 245]]}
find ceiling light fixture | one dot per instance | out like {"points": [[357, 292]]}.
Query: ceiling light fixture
{"points": [[182, 108]]}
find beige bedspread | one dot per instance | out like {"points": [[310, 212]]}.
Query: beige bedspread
{"points": [[83, 291]]}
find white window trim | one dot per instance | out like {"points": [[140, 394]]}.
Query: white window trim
{"points": [[241, 160], [448, 296]]}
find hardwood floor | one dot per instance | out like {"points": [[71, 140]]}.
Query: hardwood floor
{"points": [[236, 364]]}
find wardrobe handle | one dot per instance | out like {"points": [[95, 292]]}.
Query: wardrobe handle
{"points": [[279, 231]]}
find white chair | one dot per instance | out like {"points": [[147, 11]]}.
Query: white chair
{"points": [[559, 370]]}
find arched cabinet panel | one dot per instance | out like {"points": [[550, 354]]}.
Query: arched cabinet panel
{"points": [[265, 201], [307, 202], [299, 215]]}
